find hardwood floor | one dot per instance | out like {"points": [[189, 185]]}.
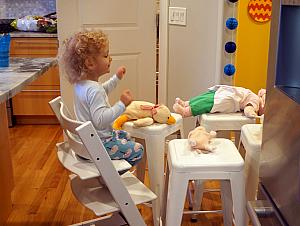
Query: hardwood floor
{"points": [[42, 194]]}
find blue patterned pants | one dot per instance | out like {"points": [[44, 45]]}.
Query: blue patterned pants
{"points": [[120, 146]]}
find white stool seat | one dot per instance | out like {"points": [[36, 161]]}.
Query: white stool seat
{"points": [[251, 138], [224, 121], [224, 157], [154, 136], [224, 163]]}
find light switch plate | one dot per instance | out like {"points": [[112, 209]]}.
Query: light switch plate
{"points": [[177, 16]]}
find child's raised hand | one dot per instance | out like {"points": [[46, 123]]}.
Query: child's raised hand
{"points": [[126, 97], [121, 72]]}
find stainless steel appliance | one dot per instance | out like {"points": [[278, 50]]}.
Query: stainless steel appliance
{"points": [[280, 156]]}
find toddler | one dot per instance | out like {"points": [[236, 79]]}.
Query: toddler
{"points": [[86, 58], [225, 99]]}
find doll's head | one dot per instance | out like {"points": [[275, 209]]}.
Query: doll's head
{"points": [[262, 100], [78, 48]]}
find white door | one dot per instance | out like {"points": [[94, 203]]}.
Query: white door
{"points": [[131, 28]]}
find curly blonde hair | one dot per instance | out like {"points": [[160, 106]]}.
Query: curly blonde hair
{"points": [[77, 49]]}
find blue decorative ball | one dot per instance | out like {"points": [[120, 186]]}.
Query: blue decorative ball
{"points": [[233, 1], [231, 23], [230, 47], [229, 69]]}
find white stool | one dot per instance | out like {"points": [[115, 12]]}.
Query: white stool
{"points": [[251, 138], [224, 121], [224, 163], [154, 136], [219, 122]]}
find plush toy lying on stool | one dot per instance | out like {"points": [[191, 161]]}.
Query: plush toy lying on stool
{"points": [[144, 113], [199, 139]]}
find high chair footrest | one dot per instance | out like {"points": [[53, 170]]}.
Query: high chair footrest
{"points": [[97, 197]]}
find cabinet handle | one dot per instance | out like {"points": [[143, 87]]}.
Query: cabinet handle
{"points": [[41, 90]]}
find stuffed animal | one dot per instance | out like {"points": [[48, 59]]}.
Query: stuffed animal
{"points": [[144, 113], [199, 139]]}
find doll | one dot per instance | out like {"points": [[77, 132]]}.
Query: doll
{"points": [[224, 99]]}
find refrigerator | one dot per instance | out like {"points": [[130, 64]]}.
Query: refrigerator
{"points": [[280, 154]]}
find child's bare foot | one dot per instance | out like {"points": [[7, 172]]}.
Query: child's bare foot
{"points": [[180, 102]]}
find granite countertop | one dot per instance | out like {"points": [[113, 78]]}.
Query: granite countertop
{"points": [[21, 72], [27, 34]]}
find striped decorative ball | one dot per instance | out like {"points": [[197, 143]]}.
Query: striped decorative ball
{"points": [[260, 10]]}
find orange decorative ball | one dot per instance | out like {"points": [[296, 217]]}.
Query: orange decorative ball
{"points": [[260, 10]]}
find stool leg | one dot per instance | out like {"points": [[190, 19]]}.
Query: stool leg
{"points": [[141, 167], [226, 202], [181, 132], [238, 196], [155, 157], [198, 194], [190, 195], [176, 196], [165, 195], [240, 143], [251, 174], [237, 138]]}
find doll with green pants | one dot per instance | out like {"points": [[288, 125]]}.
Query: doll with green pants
{"points": [[223, 99]]}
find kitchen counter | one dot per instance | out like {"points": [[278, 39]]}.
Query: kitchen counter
{"points": [[13, 79], [20, 73], [24, 34]]}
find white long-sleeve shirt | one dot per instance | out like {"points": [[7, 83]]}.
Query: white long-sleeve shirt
{"points": [[91, 104], [229, 99]]}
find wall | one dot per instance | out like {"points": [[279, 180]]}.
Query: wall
{"points": [[195, 51], [252, 50], [18, 8]]}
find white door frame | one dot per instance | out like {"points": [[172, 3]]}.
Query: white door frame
{"points": [[163, 50]]}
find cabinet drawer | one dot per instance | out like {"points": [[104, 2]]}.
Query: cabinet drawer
{"points": [[50, 77], [34, 102], [33, 47], [31, 105]]}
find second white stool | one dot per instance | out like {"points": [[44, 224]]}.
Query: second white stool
{"points": [[251, 138], [155, 136], [224, 163], [225, 122]]}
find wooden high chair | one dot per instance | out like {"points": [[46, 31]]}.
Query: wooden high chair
{"points": [[96, 182]]}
